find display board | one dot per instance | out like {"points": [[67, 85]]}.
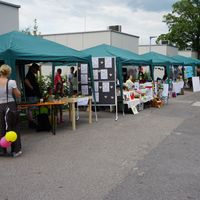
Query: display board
{"points": [[84, 80], [104, 72]]}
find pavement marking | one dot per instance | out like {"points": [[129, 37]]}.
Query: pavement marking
{"points": [[197, 103], [141, 174], [182, 101], [178, 133]]}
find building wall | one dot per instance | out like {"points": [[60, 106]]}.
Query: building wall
{"points": [[172, 51], [9, 20], [86, 40], [81, 40], [125, 41], [162, 49], [192, 54]]}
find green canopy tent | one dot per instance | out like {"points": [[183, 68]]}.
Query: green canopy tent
{"points": [[188, 61], [161, 60], [17, 47], [123, 57]]}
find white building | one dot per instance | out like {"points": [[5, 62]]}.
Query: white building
{"points": [[84, 40], [9, 20], [188, 53], [162, 49]]}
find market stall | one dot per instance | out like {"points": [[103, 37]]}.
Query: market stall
{"points": [[109, 60], [164, 85], [18, 49], [162, 60], [189, 71]]}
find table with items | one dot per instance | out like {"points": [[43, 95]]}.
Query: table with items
{"points": [[177, 86], [80, 101], [51, 105], [138, 96]]}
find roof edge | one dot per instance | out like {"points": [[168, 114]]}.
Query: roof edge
{"points": [[10, 4], [82, 32], [155, 45]]}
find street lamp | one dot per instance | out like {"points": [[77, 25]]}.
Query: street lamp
{"points": [[150, 38]]}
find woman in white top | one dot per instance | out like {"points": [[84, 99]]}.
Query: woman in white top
{"points": [[5, 72]]}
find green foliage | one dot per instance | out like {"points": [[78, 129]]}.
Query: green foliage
{"points": [[47, 81], [32, 30], [44, 83], [183, 24], [147, 76]]}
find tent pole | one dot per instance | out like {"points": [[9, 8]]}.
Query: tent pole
{"points": [[168, 72], [92, 84], [12, 64], [53, 74], [194, 70], [120, 77], [151, 68]]}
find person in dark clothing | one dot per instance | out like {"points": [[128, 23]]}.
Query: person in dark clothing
{"points": [[7, 101], [32, 90]]}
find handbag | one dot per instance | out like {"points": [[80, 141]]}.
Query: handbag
{"points": [[11, 116]]}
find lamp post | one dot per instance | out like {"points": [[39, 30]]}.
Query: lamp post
{"points": [[150, 38]]}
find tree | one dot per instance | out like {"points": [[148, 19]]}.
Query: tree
{"points": [[32, 31], [184, 25]]}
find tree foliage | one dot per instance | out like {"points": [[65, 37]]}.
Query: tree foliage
{"points": [[184, 25], [32, 30]]}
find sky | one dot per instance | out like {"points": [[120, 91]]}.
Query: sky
{"points": [[142, 18]]}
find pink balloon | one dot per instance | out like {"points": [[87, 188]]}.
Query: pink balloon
{"points": [[4, 143]]}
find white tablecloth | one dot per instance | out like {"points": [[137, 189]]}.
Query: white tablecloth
{"points": [[177, 86], [133, 102]]}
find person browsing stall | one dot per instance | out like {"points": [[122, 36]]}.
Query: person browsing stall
{"points": [[58, 78], [13, 92], [32, 90], [70, 79]]}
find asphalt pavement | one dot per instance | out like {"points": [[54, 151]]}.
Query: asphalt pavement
{"points": [[150, 156]]}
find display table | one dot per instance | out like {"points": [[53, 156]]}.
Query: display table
{"points": [[72, 110], [146, 99], [177, 86], [51, 105], [133, 102]]}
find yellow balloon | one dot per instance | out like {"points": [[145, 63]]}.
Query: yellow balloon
{"points": [[11, 136]]}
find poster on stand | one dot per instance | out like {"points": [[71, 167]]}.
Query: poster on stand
{"points": [[195, 84], [108, 62], [96, 96], [84, 89], [95, 63], [84, 79], [105, 87], [134, 110], [84, 68], [96, 86], [96, 74], [104, 74]]}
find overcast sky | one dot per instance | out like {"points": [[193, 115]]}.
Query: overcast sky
{"points": [[142, 18]]}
